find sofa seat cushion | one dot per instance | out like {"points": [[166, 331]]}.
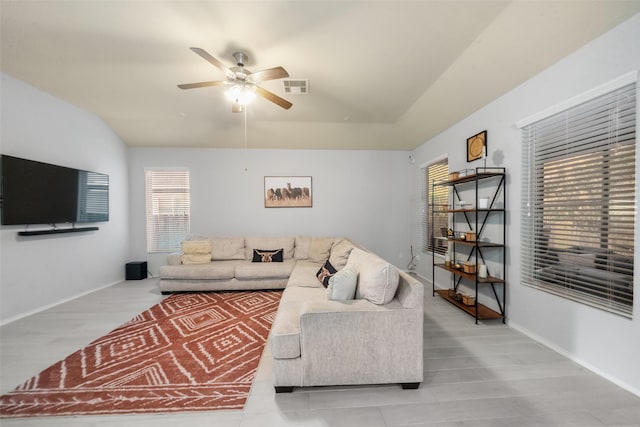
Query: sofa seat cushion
{"points": [[304, 275], [264, 270], [213, 270], [285, 332]]}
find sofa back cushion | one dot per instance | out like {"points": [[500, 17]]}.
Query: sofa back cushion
{"points": [[303, 243], [377, 279], [269, 243], [227, 248], [320, 248], [340, 252]]}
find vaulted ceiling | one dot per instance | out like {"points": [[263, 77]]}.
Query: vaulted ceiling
{"points": [[382, 74]]}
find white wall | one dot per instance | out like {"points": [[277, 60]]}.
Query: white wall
{"points": [[604, 342], [359, 194], [41, 271]]}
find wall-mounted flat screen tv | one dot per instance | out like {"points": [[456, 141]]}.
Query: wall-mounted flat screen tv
{"points": [[41, 193]]}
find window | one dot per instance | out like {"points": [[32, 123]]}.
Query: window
{"points": [[93, 197], [432, 172], [578, 201], [168, 208]]}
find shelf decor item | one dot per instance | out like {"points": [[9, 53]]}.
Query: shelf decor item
{"points": [[469, 268], [482, 271], [477, 146], [468, 299]]}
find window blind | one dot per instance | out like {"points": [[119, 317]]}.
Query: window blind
{"points": [[168, 208], [433, 172], [578, 195]]}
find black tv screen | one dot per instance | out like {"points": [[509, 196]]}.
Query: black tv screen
{"points": [[41, 193]]}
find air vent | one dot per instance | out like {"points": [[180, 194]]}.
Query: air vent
{"points": [[296, 86]]}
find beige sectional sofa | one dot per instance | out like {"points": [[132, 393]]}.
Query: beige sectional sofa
{"points": [[365, 327]]}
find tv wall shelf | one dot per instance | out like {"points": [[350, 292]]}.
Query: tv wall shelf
{"points": [[56, 231], [486, 221]]}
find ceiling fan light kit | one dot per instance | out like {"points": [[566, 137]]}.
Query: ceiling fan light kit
{"points": [[244, 84], [241, 94]]}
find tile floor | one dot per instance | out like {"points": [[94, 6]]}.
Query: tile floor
{"points": [[475, 375]]}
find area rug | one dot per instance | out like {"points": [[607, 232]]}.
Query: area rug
{"points": [[191, 352]]}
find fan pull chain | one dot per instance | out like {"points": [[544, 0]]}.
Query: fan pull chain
{"points": [[245, 138]]}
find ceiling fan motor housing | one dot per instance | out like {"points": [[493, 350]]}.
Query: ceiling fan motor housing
{"points": [[240, 58]]}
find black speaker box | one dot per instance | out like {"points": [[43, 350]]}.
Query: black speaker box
{"points": [[136, 270]]}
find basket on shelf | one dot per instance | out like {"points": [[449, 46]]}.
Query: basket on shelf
{"points": [[469, 268], [468, 299]]}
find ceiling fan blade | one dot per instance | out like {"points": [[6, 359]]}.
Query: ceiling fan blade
{"points": [[270, 96], [269, 74], [201, 84], [217, 63]]}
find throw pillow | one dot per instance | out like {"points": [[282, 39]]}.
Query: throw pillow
{"points": [[195, 258], [325, 273], [263, 255], [286, 243], [342, 285], [196, 247], [377, 279], [320, 248]]}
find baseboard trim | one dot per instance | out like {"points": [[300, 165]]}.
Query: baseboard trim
{"points": [[573, 358], [54, 304]]}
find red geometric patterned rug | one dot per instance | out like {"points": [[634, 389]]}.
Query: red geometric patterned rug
{"points": [[191, 352]]}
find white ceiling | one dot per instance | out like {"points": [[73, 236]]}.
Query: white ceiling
{"points": [[383, 74]]}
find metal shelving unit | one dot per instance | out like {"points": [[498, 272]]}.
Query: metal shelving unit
{"points": [[474, 220]]}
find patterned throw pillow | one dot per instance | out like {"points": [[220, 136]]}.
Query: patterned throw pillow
{"points": [[264, 255], [325, 273]]}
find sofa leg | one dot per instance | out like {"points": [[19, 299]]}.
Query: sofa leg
{"points": [[284, 389], [410, 386]]}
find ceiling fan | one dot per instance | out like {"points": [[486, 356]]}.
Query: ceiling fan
{"points": [[244, 85]]}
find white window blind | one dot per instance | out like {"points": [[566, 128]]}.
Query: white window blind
{"points": [[168, 208], [578, 194], [433, 172]]}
